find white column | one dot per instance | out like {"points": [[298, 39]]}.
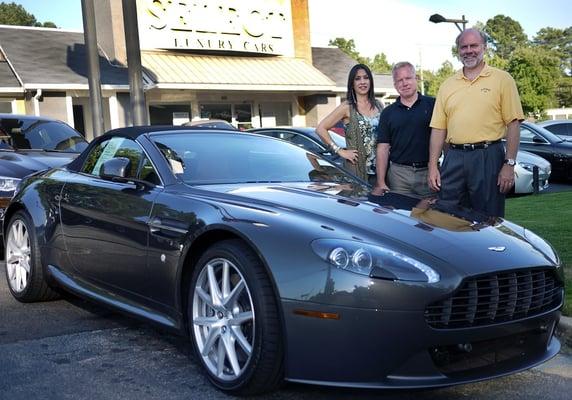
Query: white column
{"points": [[69, 110], [114, 111]]}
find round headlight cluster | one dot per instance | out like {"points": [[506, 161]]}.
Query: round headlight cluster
{"points": [[359, 261]]}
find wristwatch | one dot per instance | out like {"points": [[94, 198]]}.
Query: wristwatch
{"points": [[510, 161]]}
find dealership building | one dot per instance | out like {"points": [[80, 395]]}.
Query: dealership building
{"points": [[248, 62]]}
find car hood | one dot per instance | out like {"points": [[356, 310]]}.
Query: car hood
{"points": [[22, 163], [530, 158], [459, 236]]}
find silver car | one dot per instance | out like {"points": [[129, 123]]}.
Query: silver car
{"points": [[523, 172]]}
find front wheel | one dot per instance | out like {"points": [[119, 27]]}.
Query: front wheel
{"points": [[234, 320], [24, 270]]}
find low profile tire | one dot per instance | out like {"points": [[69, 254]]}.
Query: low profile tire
{"points": [[234, 322], [24, 271]]}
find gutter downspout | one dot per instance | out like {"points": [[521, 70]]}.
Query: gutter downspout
{"points": [[37, 102]]}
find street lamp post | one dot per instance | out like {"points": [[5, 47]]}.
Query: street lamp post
{"points": [[437, 18]]}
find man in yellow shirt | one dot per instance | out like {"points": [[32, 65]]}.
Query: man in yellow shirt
{"points": [[475, 109]]}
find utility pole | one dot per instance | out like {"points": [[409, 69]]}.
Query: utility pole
{"points": [[93, 73], [137, 95]]}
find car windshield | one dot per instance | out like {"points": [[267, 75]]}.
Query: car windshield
{"points": [[23, 134], [215, 158], [551, 137]]}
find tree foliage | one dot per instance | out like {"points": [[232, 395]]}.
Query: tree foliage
{"points": [[432, 82], [535, 71], [15, 14], [347, 46], [378, 65], [505, 35], [558, 41]]}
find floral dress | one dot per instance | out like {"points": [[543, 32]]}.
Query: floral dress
{"points": [[361, 135]]}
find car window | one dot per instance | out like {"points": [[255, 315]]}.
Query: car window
{"points": [[557, 129], [44, 135], [527, 136], [244, 158], [140, 166]]}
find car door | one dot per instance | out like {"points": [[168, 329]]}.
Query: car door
{"points": [[535, 143], [105, 223]]}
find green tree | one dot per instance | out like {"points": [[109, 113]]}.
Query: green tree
{"points": [[559, 41], [15, 14], [347, 46], [535, 71], [505, 35], [432, 82], [380, 65]]}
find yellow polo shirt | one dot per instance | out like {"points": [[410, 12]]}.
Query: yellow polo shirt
{"points": [[478, 110]]}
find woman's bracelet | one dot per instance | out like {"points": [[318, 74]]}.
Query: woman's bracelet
{"points": [[335, 148]]}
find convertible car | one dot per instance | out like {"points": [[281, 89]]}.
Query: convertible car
{"points": [[279, 265]]}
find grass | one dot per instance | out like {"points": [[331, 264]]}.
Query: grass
{"points": [[550, 216]]}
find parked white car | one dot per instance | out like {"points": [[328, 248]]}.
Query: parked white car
{"points": [[523, 172]]}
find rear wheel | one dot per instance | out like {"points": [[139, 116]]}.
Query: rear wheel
{"points": [[234, 320], [24, 271]]}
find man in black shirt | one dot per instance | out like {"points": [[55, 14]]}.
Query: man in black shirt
{"points": [[403, 136]]}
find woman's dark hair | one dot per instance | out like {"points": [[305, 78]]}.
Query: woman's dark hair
{"points": [[351, 95]]}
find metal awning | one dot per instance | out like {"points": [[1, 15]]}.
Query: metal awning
{"points": [[165, 70]]}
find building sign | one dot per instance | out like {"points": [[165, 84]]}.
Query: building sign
{"points": [[254, 26]]}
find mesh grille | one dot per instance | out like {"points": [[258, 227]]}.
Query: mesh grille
{"points": [[497, 298]]}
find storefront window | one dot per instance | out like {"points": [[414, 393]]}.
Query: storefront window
{"points": [[243, 115], [216, 111], [169, 114], [5, 107]]}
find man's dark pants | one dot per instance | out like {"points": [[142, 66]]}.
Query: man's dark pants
{"points": [[469, 179]]}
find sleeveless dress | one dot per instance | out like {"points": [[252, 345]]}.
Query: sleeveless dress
{"points": [[361, 135]]}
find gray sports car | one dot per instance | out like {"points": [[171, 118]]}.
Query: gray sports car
{"points": [[278, 265]]}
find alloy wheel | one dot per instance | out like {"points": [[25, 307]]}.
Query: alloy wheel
{"points": [[18, 256], [223, 319]]}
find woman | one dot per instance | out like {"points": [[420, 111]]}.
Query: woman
{"points": [[360, 115]]}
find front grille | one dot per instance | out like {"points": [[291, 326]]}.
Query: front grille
{"points": [[495, 298]]}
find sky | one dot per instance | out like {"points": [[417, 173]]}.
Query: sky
{"points": [[398, 28]]}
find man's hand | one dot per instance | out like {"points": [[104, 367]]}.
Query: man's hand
{"points": [[505, 179], [380, 189], [434, 178]]}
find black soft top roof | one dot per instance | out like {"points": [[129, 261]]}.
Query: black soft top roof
{"points": [[134, 132]]}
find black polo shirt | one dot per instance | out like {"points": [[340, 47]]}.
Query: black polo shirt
{"points": [[407, 130]]}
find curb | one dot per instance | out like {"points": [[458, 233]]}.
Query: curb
{"points": [[564, 332]]}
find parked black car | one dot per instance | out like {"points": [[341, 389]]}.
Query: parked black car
{"points": [[29, 144], [279, 268], [212, 124], [306, 138], [560, 127], [540, 141]]}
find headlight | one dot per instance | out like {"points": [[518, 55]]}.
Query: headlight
{"points": [[8, 184], [371, 260], [542, 245], [526, 166]]}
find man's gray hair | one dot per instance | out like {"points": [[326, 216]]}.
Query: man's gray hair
{"points": [[402, 64], [481, 34]]}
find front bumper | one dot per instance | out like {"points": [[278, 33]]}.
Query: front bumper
{"points": [[524, 181], [395, 349]]}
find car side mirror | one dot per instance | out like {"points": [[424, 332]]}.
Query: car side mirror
{"points": [[115, 168], [536, 139]]}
